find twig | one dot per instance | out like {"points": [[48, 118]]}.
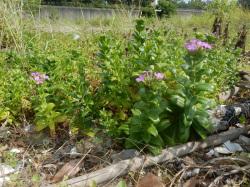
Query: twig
{"points": [[80, 161], [175, 177], [125, 166], [226, 158], [239, 169]]}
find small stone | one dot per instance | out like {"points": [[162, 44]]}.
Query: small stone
{"points": [[220, 111], [239, 125], [16, 150], [73, 152], [76, 36], [233, 147], [3, 181], [29, 128], [210, 153], [228, 148], [5, 170]]}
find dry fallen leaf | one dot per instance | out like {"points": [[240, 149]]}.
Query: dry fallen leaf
{"points": [[69, 169], [150, 180]]}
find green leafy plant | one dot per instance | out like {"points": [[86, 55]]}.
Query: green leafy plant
{"points": [[148, 88], [46, 116], [157, 93]]}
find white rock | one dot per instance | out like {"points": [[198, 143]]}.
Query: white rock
{"points": [[220, 111], [211, 153], [228, 148], [15, 150], [222, 150], [3, 180], [73, 152], [233, 147], [239, 125], [29, 128], [237, 110], [5, 170]]}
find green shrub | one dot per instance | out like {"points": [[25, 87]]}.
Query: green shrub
{"points": [[148, 11], [151, 88], [63, 97], [156, 92], [166, 8]]}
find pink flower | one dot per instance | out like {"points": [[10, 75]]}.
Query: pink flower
{"points": [[141, 78], [39, 78], [159, 76], [195, 44], [149, 75]]}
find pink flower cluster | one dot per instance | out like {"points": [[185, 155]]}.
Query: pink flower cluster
{"points": [[39, 78], [195, 44], [146, 74]]}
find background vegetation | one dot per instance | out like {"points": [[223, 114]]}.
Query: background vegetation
{"points": [[135, 82]]}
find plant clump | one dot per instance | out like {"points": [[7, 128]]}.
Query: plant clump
{"points": [[148, 90]]}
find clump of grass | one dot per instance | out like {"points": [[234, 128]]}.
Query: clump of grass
{"points": [[236, 18], [11, 25]]}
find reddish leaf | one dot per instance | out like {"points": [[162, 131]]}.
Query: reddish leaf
{"points": [[150, 180], [69, 169]]}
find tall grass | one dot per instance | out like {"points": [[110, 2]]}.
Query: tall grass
{"points": [[236, 18], [121, 20], [11, 24]]}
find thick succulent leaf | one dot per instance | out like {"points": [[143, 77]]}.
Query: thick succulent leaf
{"points": [[178, 100], [204, 87], [152, 130], [165, 123], [146, 137]]}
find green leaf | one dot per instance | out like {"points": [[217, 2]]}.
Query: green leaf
{"points": [[50, 106], [146, 137], [178, 100], [163, 125], [155, 150], [4, 115], [136, 112], [204, 87], [153, 115], [152, 130], [90, 133], [242, 119], [183, 134], [60, 118], [41, 124], [124, 128], [200, 130], [186, 121], [139, 25], [93, 184], [122, 183], [158, 141]]}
